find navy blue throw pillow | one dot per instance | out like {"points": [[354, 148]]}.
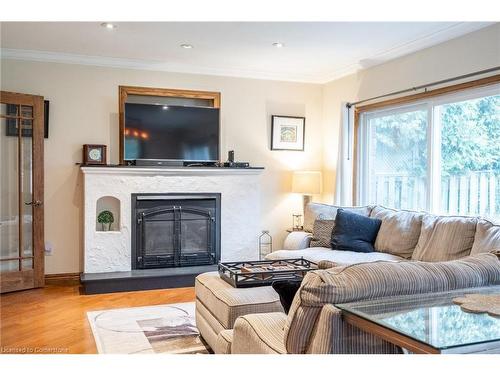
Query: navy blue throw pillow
{"points": [[353, 232]]}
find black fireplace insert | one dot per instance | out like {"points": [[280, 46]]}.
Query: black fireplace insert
{"points": [[175, 230]]}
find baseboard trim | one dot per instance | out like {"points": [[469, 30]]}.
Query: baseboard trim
{"points": [[63, 279]]}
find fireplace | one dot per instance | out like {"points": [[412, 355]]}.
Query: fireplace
{"points": [[175, 230], [109, 262]]}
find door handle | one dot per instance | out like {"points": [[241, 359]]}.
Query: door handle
{"points": [[33, 203]]}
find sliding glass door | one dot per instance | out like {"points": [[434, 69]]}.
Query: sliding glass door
{"points": [[440, 155]]}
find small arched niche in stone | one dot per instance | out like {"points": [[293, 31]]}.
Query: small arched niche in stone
{"points": [[104, 221]]}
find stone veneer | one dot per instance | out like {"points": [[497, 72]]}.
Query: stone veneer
{"points": [[240, 208]]}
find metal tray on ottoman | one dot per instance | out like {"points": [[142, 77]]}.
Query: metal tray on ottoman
{"points": [[264, 272]]}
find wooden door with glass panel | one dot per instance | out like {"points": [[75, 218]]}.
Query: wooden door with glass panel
{"points": [[21, 191]]}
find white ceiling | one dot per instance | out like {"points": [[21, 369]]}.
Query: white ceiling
{"points": [[314, 51]]}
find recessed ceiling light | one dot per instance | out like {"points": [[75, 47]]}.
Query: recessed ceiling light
{"points": [[186, 45], [108, 25], [278, 44]]}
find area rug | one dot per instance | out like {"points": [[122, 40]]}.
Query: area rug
{"points": [[167, 329]]}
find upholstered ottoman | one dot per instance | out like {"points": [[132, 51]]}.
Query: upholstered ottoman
{"points": [[218, 304]]}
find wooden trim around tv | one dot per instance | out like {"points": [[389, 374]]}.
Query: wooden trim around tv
{"points": [[492, 80], [124, 91]]}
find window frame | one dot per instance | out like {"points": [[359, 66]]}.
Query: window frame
{"points": [[430, 100]]}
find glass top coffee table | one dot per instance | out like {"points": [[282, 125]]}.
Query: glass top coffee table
{"points": [[428, 323]]}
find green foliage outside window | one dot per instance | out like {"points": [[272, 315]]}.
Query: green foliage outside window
{"points": [[470, 137], [470, 156]]}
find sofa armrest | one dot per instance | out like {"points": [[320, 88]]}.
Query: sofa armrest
{"points": [[297, 241], [259, 334]]}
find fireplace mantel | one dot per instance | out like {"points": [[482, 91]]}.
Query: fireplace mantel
{"points": [[111, 251], [169, 171]]}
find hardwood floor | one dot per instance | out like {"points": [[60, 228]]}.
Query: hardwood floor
{"points": [[53, 319]]}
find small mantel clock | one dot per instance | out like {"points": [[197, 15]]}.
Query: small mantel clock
{"points": [[94, 154]]}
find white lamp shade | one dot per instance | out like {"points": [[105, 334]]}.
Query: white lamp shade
{"points": [[306, 182]]}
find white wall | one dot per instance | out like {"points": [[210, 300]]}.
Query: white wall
{"points": [[473, 52], [84, 104], [84, 109]]}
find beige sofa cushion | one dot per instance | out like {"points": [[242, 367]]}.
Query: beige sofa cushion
{"points": [[399, 231], [380, 279], [322, 211], [445, 238], [487, 238]]}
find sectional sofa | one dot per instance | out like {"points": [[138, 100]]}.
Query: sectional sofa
{"points": [[415, 253]]}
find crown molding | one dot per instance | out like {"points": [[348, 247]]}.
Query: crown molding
{"points": [[113, 62], [363, 62], [425, 41]]}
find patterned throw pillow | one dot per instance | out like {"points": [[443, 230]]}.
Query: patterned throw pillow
{"points": [[322, 233]]}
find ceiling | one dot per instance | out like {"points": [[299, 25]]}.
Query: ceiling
{"points": [[315, 52]]}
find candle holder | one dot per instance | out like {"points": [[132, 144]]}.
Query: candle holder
{"points": [[265, 244]]}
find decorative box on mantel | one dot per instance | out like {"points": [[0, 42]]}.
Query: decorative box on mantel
{"points": [[111, 188]]}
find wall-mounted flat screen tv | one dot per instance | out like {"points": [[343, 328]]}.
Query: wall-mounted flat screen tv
{"points": [[161, 132]]}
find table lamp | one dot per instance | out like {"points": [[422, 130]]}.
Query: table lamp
{"points": [[306, 183]]}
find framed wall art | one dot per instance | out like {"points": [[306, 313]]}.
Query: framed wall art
{"points": [[287, 133]]}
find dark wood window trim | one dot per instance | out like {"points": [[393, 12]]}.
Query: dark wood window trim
{"points": [[124, 91], [492, 80]]}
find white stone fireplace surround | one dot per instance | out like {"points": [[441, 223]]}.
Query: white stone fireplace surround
{"points": [[111, 251]]}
